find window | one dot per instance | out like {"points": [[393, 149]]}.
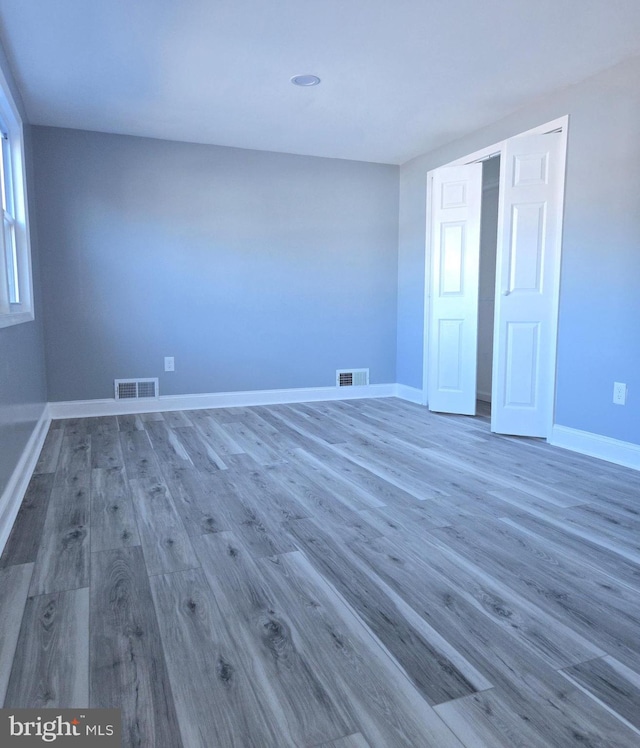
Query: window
{"points": [[16, 293]]}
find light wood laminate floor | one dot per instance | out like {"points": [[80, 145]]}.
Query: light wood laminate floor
{"points": [[344, 574]]}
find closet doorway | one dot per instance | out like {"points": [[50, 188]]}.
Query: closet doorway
{"points": [[492, 308]]}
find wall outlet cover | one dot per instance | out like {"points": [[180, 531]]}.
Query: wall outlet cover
{"points": [[619, 393]]}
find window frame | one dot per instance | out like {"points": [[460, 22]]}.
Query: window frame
{"points": [[12, 311]]}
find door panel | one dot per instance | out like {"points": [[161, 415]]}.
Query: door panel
{"points": [[527, 247], [450, 355], [527, 277], [455, 242], [452, 250], [522, 364]]}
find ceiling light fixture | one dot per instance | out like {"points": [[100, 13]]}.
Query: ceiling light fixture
{"points": [[305, 80]]}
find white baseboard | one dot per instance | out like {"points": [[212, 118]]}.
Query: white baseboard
{"points": [[594, 445], [112, 407], [484, 396], [16, 487], [412, 394]]}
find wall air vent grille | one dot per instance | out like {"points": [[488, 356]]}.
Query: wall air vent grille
{"points": [[136, 389], [352, 377]]}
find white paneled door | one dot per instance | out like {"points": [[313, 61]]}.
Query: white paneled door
{"points": [[455, 243], [527, 283]]}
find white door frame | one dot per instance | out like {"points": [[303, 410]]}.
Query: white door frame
{"points": [[561, 124]]}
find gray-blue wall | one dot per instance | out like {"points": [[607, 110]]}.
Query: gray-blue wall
{"points": [[255, 270], [22, 378], [599, 333], [23, 391]]}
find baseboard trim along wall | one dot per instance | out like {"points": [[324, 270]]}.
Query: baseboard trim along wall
{"points": [[594, 445], [88, 408], [16, 487], [412, 394]]}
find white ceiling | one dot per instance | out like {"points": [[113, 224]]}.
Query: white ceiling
{"points": [[399, 77]]}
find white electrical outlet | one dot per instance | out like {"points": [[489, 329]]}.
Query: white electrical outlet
{"points": [[169, 363], [619, 393]]}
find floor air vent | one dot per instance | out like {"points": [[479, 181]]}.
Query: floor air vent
{"points": [[136, 389], [352, 377]]}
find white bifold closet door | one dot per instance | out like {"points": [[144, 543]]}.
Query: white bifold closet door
{"points": [[527, 282], [455, 244], [527, 286]]}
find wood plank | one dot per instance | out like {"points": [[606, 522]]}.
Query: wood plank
{"points": [[14, 588], [113, 521], [139, 457], [611, 683], [74, 426], [418, 649], [623, 501], [176, 419], [499, 475], [130, 422], [331, 480], [263, 628], [151, 417], [316, 499], [214, 433], [75, 456], [48, 459], [591, 603], [105, 450], [561, 538], [62, 562], [404, 471], [264, 448], [200, 452], [225, 415], [356, 422], [475, 612], [234, 493], [164, 540], [51, 665], [372, 488], [197, 507], [350, 741], [444, 473], [391, 520], [365, 677], [275, 417], [484, 720], [220, 699], [289, 420], [99, 425], [127, 668], [168, 449], [591, 537], [426, 425], [262, 490], [620, 530], [499, 719], [26, 534]]}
